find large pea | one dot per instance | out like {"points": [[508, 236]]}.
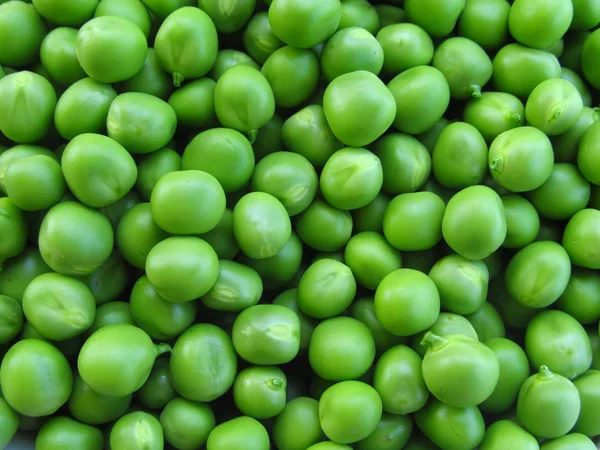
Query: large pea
{"points": [[194, 103], [404, 45], [493, 113], [522, 221], [133, 10], [566, 145], [506, 432], [126, 433], [64, 431], [151, 79], [485, 22], [241, 432], [59, 57], [87, 406], [437, 17], [580, 238], [23, 30], [554, 15], [588, 154], [237, 287]]}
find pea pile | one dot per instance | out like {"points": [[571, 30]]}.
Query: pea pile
{"points": [[300, 224]]}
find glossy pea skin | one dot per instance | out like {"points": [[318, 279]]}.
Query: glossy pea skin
{"points": [[14, 226], [459, 158], [203, 363], [341, 348], [89, 407], [447, 324], [98, 170], [141, 122], [267, 334], [437, 17], [182, 268], [243, 432], [133, 10], [566, 145], [556, 340], [59, 57], [399, 380], [576, 80], [35, 377], [487, 322], [135, 431], [9, 421], [406, 163], [351, 49], [308, 134], [329, 445], [228, 17], [392, 432], [538, 274], [507, 433], [163, 8], [405, 45], [111, 313], [554, 17], [186, 44], [436, 419], [522, 221], [548, 404], [18, 152], [422, 96], [326, 288], [588, 154], [395, 293], [158, 389], [359, 13], [23, 30], [289, 299], [21, 93], [570, 441], [187, 424], [194, 103], [228, 58], [260, 391], [237, 287], [121, 43], [363, 309], [286, 433], [563, 194], [581, 298], [588, 385], [485, 22], [304, 24], [289, 177], [258, 38], [389, 15], [492, 113], [75, 239], [64, 432], [12, 319], [518, 69], [152, 167], [151, 79], [589, 64], [521, 159]]}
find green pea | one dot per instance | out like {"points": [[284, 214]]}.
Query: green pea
{"points": [[493, 113], [111, 313], [158, 389], [17, 153], [163, 8], [193, 103], [554, 16], [548, 404], [575, 79], [581, 298], [89, 407], [359, 13], [260, 391], [228, 17], [487, 322], [133, 10], [135, 431], [422, 96], [237, 287], [390, 15], [65, 13], [289, 299], [437, 17], [58, 55], [394, 294], [587, 385], [11, 324], [324, 227], [522, 221], [23, 31], [521, 159], [13, 227], [329, 445], [370, 217], [553, 106], [363, 309], [267, 334], [392, 432], [286, 433], [485, 22], [518, 69], [586, 15], [17, 120], [467, 425], [566, 145], [447, 324], [588, 154], [190, 29], [203, 363], [62, 431], [151, 79], [187, 424], [243, 432], [151, 167], [9, 421], [35, 377], [570, 441], [228, 58], [75, 239], [307, 133], [258, 38], [405, 45], [507, 433]]}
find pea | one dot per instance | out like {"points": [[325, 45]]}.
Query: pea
{"points": [[436, 420], [522, 221], [389, 15], [187, 424], [237, 287], [190, 29], [548, 404], [571, 55], [518, 69], [570, 441], [588, 154], [405, 45], [506, 432], [151, 167], [9, 420], [64, 431], [228, 18], [260, 392], [23, 31], [163, 8], [289, 177], [20, 152], [17, 120], [194, 103], [436, 17], [487, 322], [14, 227], [133, 10], [151, 79], [328, 445], [363, 309], [304, 24], [12, 319], [581, 86], [136, 430], [286, 433], [566, 145], [580, 298], [111, 313], [158, 389], [75, 239], [89, 407], [553, 106], [258, 38], [485, 22], [493, 113], [393, 431], [228, 58], [555, 16], [308, 134], [58, 55], [243, 431], [422, 96], [447, 324], [35, 377], [359, 13], [61, 12]]}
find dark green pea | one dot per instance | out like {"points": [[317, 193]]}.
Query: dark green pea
{"points": [[508, 433], [11, 319], [571, 55], [9, 420], [466, 66], [437, 17], [286, 433], [555, 16], [553, 106], [447, 324], [152, 167], [64, 13], [244, 432], [269, 138], [221, 237], [158, 390], [370, 217], [550, 231], [17, 92], [390, 15], [237, 287], [289, 299], [228, 17], [260, 391], [133, 10], [363, 309], [586, 15], [522, 221], [359, 13], [13, 227], [422, 97], [563, 194], [115, 211], [187, 424], [125, 433], [588, 154], [405, 45], [307, 133], [392, 432], [163, 8], [109, 280], [430, 137], [228, 58], [62, 431], [111, 313], [492, 113], [588, 386], [566, 145], [581, 298], [151, 79], [513, 313], [87, 406], [23, 31], [595, 342], [487, 322], [194, 103], [59, 57], [485, 22], [519, 69], [259, 40], [575, 79], [467, 424], [324, 227], [548, 404]]}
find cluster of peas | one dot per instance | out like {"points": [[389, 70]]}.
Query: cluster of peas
{"points": [[300, 224]]}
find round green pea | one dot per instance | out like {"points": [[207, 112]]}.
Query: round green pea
{"points": [[437, 17], [158, 389], [62, 431], [241, 432], [111, 313], [258, 38], [588, 387], [135, 431], [389, 15], [13, 226], [11, 316], [260, 391], [570, 441], [392, 432], [359, 13], [194, 103], [405, 45], [89, 407], [228, 17], [553, 106], [485, 22], [507, 433], [566, 145], [237, 288], [23, 30], [133, 10], [447, 324], [487, 322], [228, 58], [59, 57], [493, 113], [581, 298], [588, 154], [286, 433], [65, 13], [522, 221], [151, 167], [163, 8], [323, 227], [151, 79], [187, 424], [9, 421], [554, 18]]}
